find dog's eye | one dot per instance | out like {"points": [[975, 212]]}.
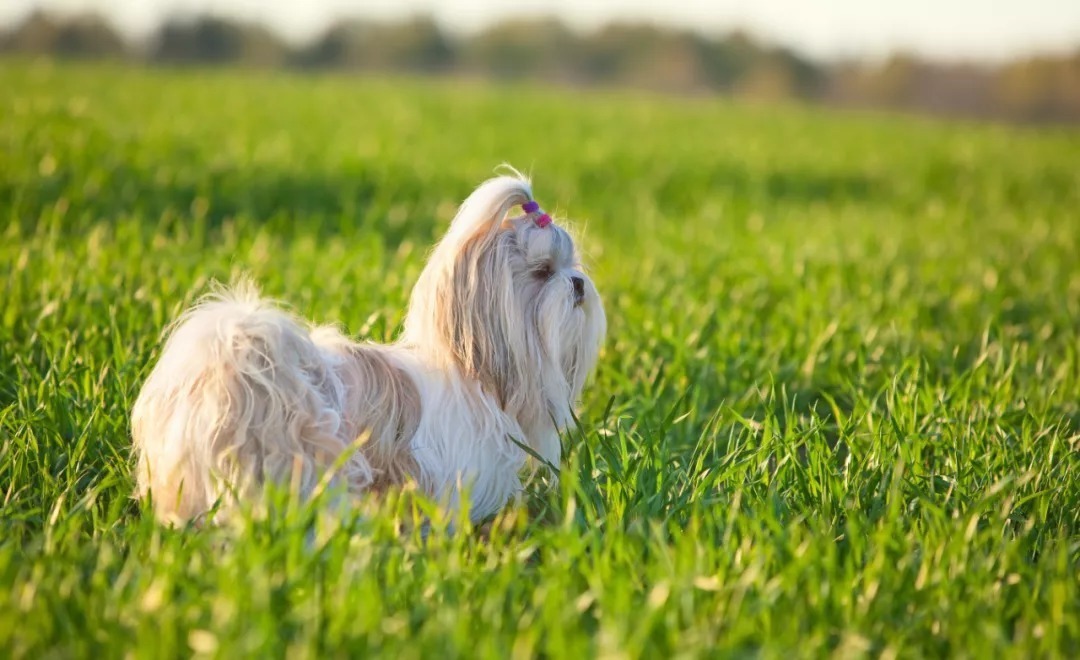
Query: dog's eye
{"points": [[543, 272]]}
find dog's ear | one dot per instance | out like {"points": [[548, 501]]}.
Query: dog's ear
{"points": [[463, 307], [483, 212]]}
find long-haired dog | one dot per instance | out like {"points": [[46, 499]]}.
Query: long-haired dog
{"points": [[503, 328]]}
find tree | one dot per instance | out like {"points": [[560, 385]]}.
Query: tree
{"points": [[210, 39], [82, 35], [415, 45], [541, 48]]}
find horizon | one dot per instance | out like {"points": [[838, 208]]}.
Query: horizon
{"points": [[834, 30]]}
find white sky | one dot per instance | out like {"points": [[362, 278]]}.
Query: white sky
{"points": [[952, 29]]}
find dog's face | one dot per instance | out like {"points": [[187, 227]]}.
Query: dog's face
{"points": [[506, 299]]}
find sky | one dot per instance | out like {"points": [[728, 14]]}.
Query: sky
{"points": [[943, 29]]}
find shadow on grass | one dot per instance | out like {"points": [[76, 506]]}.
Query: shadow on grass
{"points": [[392, 202], [682, 189]]}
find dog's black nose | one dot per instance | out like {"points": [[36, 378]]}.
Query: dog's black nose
{"points": [[579, 289]]}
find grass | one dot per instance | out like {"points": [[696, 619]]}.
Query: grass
{"points": [[838, 411]]}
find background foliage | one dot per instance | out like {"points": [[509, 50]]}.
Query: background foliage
{"points": [[1042, 89]]}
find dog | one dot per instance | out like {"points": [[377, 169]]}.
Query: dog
{"points": [[503, 328]]}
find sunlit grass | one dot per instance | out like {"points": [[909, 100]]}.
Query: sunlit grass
{"points": [[838, 409]]}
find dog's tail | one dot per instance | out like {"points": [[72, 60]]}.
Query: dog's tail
{"points": [[240, 396]]}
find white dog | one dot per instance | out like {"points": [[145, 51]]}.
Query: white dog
{"points": [[502, 330]]}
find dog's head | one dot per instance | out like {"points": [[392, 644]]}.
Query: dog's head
{"points": [[505, 299]]}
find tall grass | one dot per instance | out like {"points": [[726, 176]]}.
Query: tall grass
{"points": [[837, 413]]}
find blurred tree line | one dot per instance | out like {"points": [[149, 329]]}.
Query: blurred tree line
{"points": [[1035, 89]]}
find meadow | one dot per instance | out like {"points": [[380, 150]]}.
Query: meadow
{"points": [[837, 412]]}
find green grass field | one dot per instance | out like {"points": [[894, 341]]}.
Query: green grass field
{"points": [[838, 411]]}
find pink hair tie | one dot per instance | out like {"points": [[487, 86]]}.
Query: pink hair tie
{"points": [[532, 206]]}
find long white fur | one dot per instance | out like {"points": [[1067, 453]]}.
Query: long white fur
{"points": [[496, 349]]}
